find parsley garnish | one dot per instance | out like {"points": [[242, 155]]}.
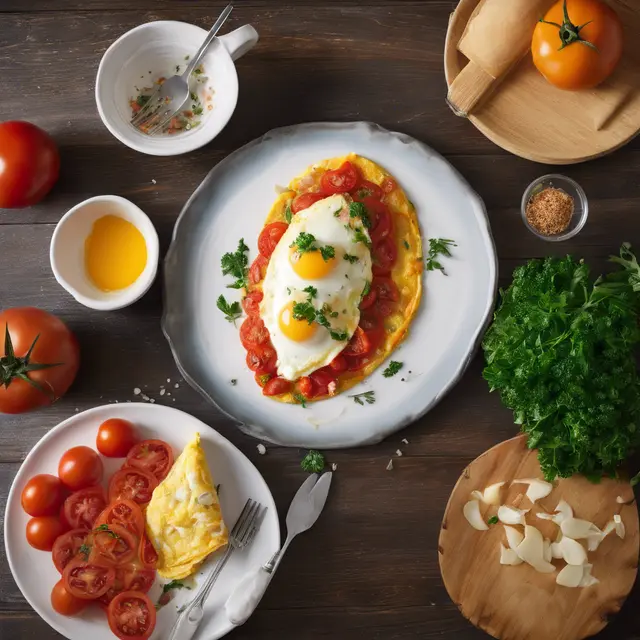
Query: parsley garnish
{"points": [[288, 215], [313, 462], [142, 100], [105, 528], [337, 212], [304, 242], [367, 289], [187, 57], [231, 311], [311, 291], [265, 378], [300, 399], [235, 264], [193, 96], [361, 236], [304, 311], [358, 210], [177, 68], [85, 550], [321, 319], [438, 247], [406, 244], [174, 584], [368, 396], [327, 253], [392, 369], [350, 258], [197, 109], [493, 520]]}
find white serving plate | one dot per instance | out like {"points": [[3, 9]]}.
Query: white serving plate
{"points": [[33, 570], [232, 203]]}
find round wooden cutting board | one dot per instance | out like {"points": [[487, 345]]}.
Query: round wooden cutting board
{"points": [[516, 602], [533, 119]]}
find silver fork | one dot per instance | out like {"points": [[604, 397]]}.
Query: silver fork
{"points": [[170, 96], [243, 531]]}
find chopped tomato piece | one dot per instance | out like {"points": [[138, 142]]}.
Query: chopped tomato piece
{"points": [[305, 386], [366, 189], [358, 345], [368, 300], [355, 363], [276, 386], [341, 180], [380, 217], [374, 329], [258, 269], [384, 308], [325, 382], [270, 236], [253, 332], [262, 358], [388, 185], [305, 200], [384, 256], [251, 303], [262, 378], [386, 288], [339, 364]]}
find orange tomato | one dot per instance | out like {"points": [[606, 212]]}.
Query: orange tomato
{"points": [[578, 44]]}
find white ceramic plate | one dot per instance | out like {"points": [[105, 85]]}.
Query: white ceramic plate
{"points": [[233, 202], [33, 570]]}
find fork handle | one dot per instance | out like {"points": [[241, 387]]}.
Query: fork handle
{"points": [[247, 595]]}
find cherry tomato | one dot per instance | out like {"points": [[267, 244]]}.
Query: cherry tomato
{"points": [[253, 332], [124, 513], [380, 217], [305, 200], [251, 303], [386, 288], [339, 364], [276, 386], [305, 387], [132, 484], [131, 616], [341, 180], [43, 531], [368, 300], [384, 256], [568, 63], [80, 467], [29, 164], [153, 456], [388, 185], [115, 437], [262, 378], [359, 344], [147, 554], [86, 579], [67, 546], [138, 579], [325, 382], [82, 508], [366, 189], [64, 602], [113, 545], [258, 269], [52, 343], [270, 236], [262, 358], [43, 495]]}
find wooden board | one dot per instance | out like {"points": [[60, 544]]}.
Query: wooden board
{"points": [[532, 119], [517, 603]]}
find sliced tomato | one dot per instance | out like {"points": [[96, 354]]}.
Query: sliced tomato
{"points": [[388, 185], [83, 507], [153, 456], [118, 586], [305, 200], [253, 332], [324, 381], [374, 329], [113, 545], [384, 256], [386, 288], [359, 344], [338, 364], [270, 236], [380, 216], [368, 300], [366, 189], [258, 269], [86, 579], [262, 358], [132, 484], [147, 553], [306, 387], [67, 546], [340, 180], [276, 386], [138, 579], [124, 513], [132, 616], [251, 303]]}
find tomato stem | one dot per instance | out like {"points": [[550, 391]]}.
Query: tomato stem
{"points": [[569, 32]]}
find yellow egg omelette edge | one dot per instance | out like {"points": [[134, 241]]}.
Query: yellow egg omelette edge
{"points": [[406, 273]]}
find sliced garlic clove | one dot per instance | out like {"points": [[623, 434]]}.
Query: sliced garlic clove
{"points": [[556, 551], [573, 552], [545, 516], [531, 550], [546, 550], [509, 556], [477, 495], [619, 525], [471, 512], [571, 576], [511, 515], [587, 579], [537, 490], [492, 494], [578, 529], [594, 541], [563, 511], [611, 526], [514, 537]]}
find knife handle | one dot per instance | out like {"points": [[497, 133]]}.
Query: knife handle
{"points": [[247, 595]]}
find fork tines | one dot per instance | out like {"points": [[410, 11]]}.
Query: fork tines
{"points": [[245, 525]]}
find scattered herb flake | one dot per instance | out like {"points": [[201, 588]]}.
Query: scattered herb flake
{"points": [[288, 215], [300, 399], [174, 584], [368, 396], [349, 258], [85, 550], [327, 253], [358, 210], [232, 311], [493, 520], [438, 247], [392, 369], [406, 244]]}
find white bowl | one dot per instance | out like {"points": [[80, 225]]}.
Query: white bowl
{"points": [[68, 259], [157, 47]]}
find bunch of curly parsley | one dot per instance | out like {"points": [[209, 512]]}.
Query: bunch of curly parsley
{"points": [[561, 352]]}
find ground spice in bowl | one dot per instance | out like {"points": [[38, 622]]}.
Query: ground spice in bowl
{"points": [[549, 211]]}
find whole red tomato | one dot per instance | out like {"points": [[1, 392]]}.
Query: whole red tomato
{"points": [[29, 164], [578, 44], [36, 338]]}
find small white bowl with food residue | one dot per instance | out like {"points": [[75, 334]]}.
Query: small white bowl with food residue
{"points": [[105, 252], [134, 65]]}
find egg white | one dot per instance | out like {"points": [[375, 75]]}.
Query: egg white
{"points": [[329, 222]]}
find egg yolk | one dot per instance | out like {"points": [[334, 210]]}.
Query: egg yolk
{"points": [[296, 330], [115, 253], [311, 265]]}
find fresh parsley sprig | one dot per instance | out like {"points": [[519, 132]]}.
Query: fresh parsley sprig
{"points": [[392, 369], [368, 396], [236, 265], [313, 462], [306, 311], [438, 247], [306, 242], [300, 399], [358, 210], [350, 258], [232, 311]]}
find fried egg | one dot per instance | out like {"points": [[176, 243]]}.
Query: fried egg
{"points": [[322, 265], [184, 520]]}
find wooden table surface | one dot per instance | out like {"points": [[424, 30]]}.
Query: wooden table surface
{"points": [[369, 567]]}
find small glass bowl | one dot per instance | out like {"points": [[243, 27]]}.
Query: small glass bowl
{"points": [[569, 186]]}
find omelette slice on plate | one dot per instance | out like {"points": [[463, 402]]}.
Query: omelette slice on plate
{"points": [[184, 520]]}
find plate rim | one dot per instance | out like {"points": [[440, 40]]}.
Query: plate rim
{"points": [[70, 422], [474, 343]]}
